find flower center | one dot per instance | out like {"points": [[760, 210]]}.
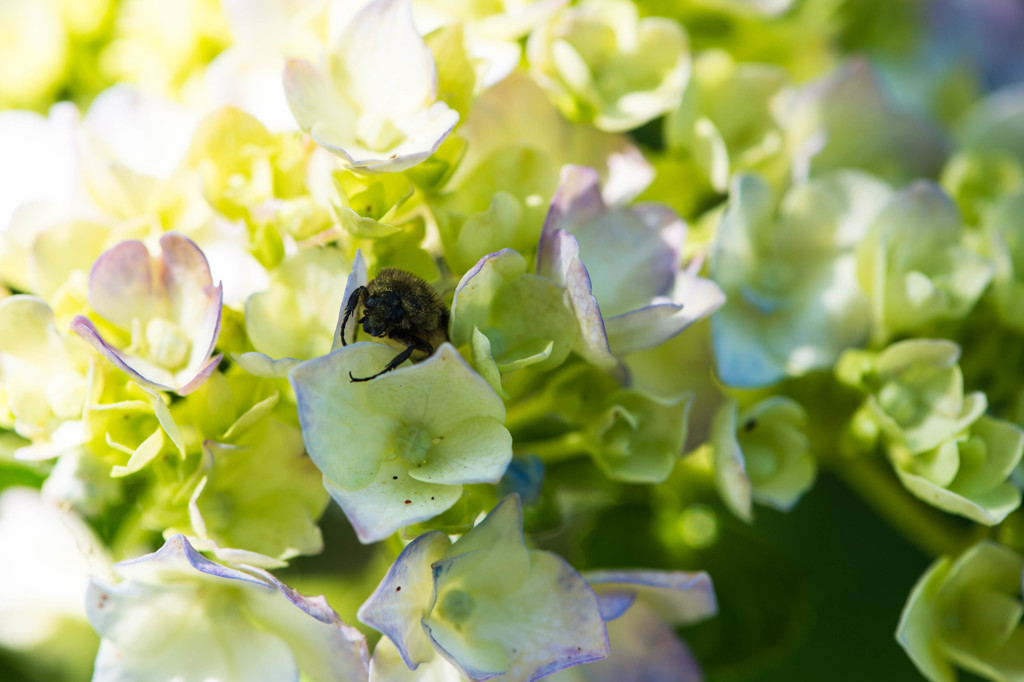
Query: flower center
{"points": [[456, 606], [378, 134], [168, 343], [412, 444]]}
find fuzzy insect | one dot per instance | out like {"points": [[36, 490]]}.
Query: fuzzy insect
{"points": [[402, 307]]}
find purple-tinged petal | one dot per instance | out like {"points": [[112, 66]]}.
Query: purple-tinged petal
{"points": [[561, 264], [486, 277], [550, 623], [679, 597], [358, 277], [644, 647], [170, 300], [87, 330], [179, 615], [201, 376], [614, 602], [404, 595], [632, 254], [577, 199], [183, 263], [123, 286], [693, 298], [204, 326], [324, 647], [501, 609], [176, 558]]}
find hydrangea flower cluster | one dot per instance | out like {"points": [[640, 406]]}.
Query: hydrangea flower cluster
{"points": [[535, 338]]}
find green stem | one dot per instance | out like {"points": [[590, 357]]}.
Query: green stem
{"points": [[524, 412], [566, 446], [931, 531]]}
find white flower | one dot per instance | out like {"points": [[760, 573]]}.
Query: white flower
{"points": [[373, 101]]}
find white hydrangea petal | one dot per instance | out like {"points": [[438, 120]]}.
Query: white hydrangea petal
{"points": [[178, 615], [392, 500], [345, 438], [424, 131], [242, 651], [387, 666], [50, 553], [144, 133], [325, 648], [27, 135], [314, 99], [440, 392], [478, 451], [383, 61]]}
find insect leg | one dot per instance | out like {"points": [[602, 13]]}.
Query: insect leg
{"points": [[415, 343], [350, 308]]}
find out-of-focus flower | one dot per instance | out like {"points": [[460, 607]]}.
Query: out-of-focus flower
{"points": [[755, 8], [602, 64], [236, 505], [165, 47], [762, 454], [33, 61], [166, 306], [968, 474], [492, 31], [845, 120], [631, 258], [265, 33], [1004, 231], [978, 179], [48, 556], [373, 102], [632, 436], [515, 113], [789, 271], [175, 614], [41, 179], [915, 391], [45, 377], [487, 604], [725, 120], [641, 609], [398, 449], [995, 123], [914, 265], [291, 319], [966, 612], [512, 318], [944, 451]]}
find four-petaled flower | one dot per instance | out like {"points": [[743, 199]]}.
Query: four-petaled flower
{"points": [[166, 308]]}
